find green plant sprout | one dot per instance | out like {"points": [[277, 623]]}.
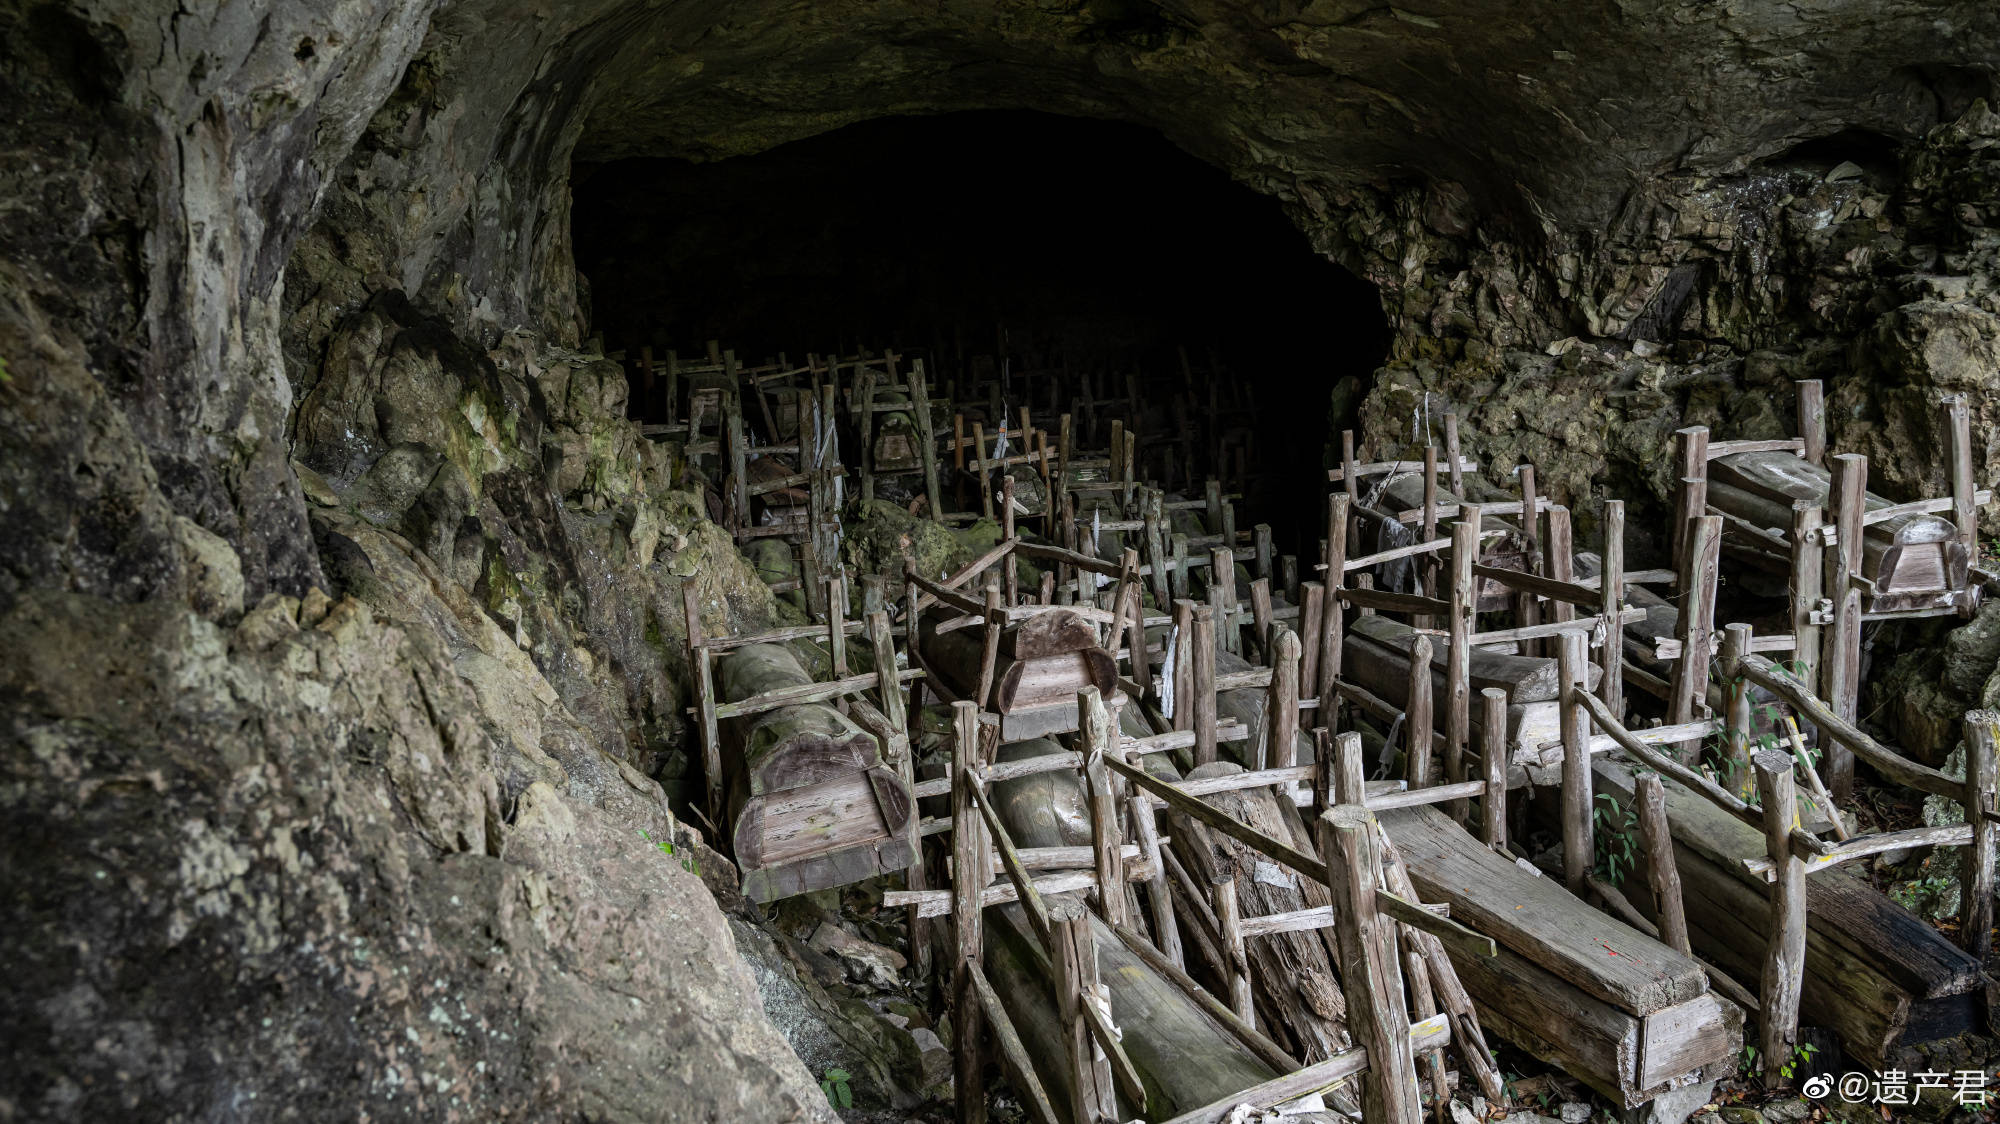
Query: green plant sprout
{"points": [[834, 1085], [688, 862], [1617, 839]]}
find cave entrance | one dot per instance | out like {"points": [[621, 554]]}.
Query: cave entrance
{"points": [[1028, 238]]}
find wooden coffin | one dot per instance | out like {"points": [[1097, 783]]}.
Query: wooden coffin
{"points": [[1034, 695], [1508, 551], [1876, 976], [1915, 561], [1374, 656], [813, 804], [1620, 1011], [895, 435]]}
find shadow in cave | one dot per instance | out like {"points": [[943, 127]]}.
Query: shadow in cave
{"points": [[1025, 236]]}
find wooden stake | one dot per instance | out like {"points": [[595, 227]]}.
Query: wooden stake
{"points": [[1807, 586], [1736, 643], [1418, 725], [1700, 554], [1662, 869], [1311, 607], [1812, 420], [1073, 958], [1458, 661], [1493, 751], [1451, 457], [1785, 955], [1843, 655], [1958, 435], [1976, 887], [969, 876], [1229, 925], [1260, 618], [1691, 469], [1369, 973], [1204, 685], [1611, 583], [1527, 608], [1330, 623], [1095, 735], [1579, 842], [1281, 722]]}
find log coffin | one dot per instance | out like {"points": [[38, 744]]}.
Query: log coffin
{"points": [[1617, 1009], [1034, 695], [1914, 561], [1876, 976], [813, 803]]}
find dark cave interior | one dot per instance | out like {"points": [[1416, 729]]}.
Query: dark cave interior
{"points": [[1039, 240]]}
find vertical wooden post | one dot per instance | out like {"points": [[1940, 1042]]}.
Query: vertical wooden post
{"points": [[1458, 660], [1213, 505], [1736, 732], [1222, 598], [1183, 664], [1142, 673], [1098, 737], [1229, 924], [1691, 470], [1976, 888], [1579, 837], [1611, 585], [1785, 955], [1350, 483], [1204, 685], [1812, 419], [739, 468], [1427, 564], [1958, 434], [1418, 725], [985, 480], [1177, 572], [1312, 605], [1559, 562], [1807, 586], [1074, 959], [1493, 755], [1330, 622], [969, 875], [711, 740], [888, 690], [836, 623], [1281, 718], [1347, 776], [995, 624], [1369, 973], [1843, 654], [1260, 541], [1288, 576], [1010, 571], [1156, 546], [1260, 618], [1700, 554], [1662, 869], [1527, 607], [920, 402], [1451, 455]]}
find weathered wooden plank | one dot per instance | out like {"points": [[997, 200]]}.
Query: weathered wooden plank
{"points": [[1536, 918]]}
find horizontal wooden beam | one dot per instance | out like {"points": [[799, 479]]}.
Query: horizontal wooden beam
{"points": [[1430, 1034], [1377, 468], [1886, 761]]}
